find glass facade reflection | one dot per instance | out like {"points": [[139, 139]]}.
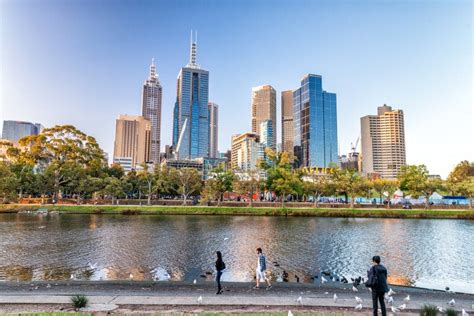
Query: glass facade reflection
{"points": [[315, 124]]}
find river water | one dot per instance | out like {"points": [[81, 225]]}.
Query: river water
{"points": [[418, 252]]}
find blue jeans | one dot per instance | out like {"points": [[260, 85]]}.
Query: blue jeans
{"points": [[218, 280]]}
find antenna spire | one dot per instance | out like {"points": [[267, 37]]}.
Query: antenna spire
{"points": [[193, 51]]}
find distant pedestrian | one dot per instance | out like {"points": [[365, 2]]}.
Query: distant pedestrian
{"points": [[220, 266], [377, 281], [261, 267]]}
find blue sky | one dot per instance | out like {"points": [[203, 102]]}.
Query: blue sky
{"points": [[83, 63]]}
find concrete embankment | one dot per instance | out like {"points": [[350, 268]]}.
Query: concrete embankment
{"points": [[136, 296]]}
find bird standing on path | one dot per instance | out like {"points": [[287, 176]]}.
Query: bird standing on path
{"points": [[394, 309], [323, 279], [199, 300], [402, 307], [440, 309], [335, 298], [452, 302], [391, 292], [195, 281], [464, 313], [359, 300], [407, 299], [358, 307], [390, 300], [354, 289], [299, 300]]}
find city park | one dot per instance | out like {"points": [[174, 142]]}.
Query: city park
{"points": [[65, 166]]}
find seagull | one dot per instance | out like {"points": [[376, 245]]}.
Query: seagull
{"points": [[131, 276], [333, 279], [48, 286], [390, 300], [199, 300], [290, 313], [359, 300], [72, 276], [402, 307], [354, 289], [440, 309], [391, 292], [358, 307], [323, 279], [394, 309], [226, 238], [464, 313], [195, 281], [407, 299], [452, 302], [299, 300], [335, 298]]}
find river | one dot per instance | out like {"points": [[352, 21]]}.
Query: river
{"points": [[418, 252]]}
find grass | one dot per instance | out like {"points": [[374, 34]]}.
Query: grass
{"points": [[428, 310], [54, 314], [79, 301], [269, 211], [451, 312]]}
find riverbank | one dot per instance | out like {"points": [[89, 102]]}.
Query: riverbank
{"points": [[257, 211], [178, 297]]}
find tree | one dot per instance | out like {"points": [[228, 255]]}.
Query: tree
{"points": [[188, 181], [382, 186], [147, 181], [317, 186], [220, 181], [113, 188], [8, 182], [247, 184], [163, 181], [464, 188], [24, 172], [414, 179], [461, 172], [350, 182]]}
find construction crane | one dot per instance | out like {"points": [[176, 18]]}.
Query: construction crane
{"points": [[354, 147]]}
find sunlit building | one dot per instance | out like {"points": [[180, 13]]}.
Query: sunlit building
{"points": [[287, 128], [263, 109], [315, 124], [383, 142], [246, 151], [213, 129]]}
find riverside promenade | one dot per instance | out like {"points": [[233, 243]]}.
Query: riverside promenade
{"points": [[127, 297]]}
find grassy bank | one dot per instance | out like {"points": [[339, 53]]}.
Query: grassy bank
{"points": [[270, 211]]}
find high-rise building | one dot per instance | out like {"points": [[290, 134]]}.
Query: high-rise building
{"points": [[191, 113], [315, 124], [151, 110], [383, 142], [264, 108], [15, 130], [213, 129], [245, 151], [132, 145], [266, 134], [287, 128]]}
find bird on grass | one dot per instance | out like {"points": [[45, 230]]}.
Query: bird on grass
{"points": [[358, 307], [290, 313], [359, 300]]}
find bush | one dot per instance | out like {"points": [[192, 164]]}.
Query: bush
{"points": [[428, 310], [451, 312], [79, 301]]}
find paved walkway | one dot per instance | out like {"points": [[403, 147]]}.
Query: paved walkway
{"points": [[111, 295]]}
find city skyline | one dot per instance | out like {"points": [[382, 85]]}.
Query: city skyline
{"points": [[410, 88]]}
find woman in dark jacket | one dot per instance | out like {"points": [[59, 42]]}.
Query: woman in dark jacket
{"points": [[220, 266]]}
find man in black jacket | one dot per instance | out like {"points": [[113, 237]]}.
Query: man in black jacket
{"points": [[377, 281]]}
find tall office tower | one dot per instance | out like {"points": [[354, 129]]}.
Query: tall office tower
{"points": [[151, 110], [266, 134], [213, 129], [245, 151], [287, 129], [315, 124], [383, 142], [191, 113], [15, 130], [264, 108], [132, 145]]}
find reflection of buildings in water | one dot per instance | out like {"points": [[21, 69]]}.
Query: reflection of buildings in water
{"points": [[399, 280]]}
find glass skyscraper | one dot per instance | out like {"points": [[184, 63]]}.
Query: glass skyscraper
{"points": [[315, 124], [15, 130], [191, 113]]}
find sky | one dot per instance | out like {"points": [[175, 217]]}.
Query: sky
{"points": [[84, 62]]}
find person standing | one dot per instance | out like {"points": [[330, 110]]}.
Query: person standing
{"points": [[377, 282], [220, 266], [261, 267]]}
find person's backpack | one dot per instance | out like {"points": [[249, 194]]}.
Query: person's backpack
{"points": [[372, 278], [223, 265], [263, 265]]}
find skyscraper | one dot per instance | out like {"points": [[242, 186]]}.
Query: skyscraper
{"points": [[213, 129], [287, 128], [264, 108], [15, 130], [315, 124], [383, 142], [191, 113], [245, 152], [266, 134], [132, 141], [151, 110]]}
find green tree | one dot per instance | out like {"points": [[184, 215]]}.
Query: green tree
{"points": [[461, 180], [350, 182], [464, 188], [187, 181], [221, 182], [113, 188], [8, 182], [247, 184], [26, 176], [415, 180], [388, 186], [147, 181], [316, 186]]}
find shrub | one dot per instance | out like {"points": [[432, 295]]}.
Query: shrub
{"points": [[451, 312], [428, 310], [79, 301]]}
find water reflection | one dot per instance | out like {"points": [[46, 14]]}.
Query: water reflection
{"points": [[431, 253]]}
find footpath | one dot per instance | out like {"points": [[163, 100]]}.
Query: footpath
{"points": [[168, 297]]}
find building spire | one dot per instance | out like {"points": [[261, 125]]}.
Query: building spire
{"points": [[193, 51], [153, 69]]}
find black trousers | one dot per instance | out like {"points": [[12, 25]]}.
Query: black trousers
{"points": [[218, 280], [376, 298]]}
